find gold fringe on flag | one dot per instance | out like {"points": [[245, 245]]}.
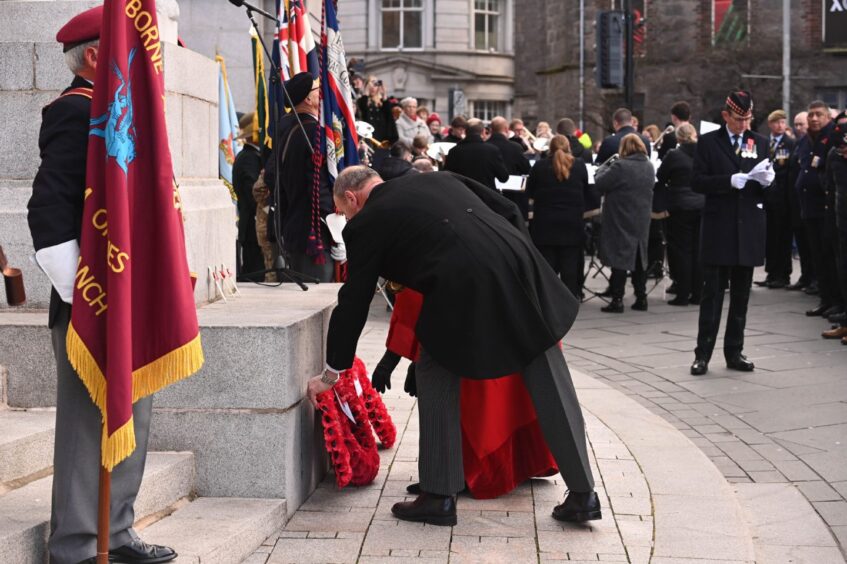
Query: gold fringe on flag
{"points": [[147, 380]]}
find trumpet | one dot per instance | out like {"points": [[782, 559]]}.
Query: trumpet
{"points": [[658, 143]]}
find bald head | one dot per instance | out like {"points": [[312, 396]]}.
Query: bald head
{"points": [[499, 125]]}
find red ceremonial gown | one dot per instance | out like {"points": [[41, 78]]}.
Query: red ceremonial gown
{"points": [[502, 444]]}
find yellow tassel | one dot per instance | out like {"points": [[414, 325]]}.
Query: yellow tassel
{"points": [[147, 380]]}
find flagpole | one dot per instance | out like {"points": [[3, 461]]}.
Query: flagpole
{"points": [[103, 501]]}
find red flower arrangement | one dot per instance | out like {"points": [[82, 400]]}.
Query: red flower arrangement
{"points": [[351, 446]]}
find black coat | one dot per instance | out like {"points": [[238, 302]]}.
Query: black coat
{"points": [[476, 159], [809, 184], [610, 144], [58, 190], [385, 129], [559, 205], [245, 172], [513, 157], [296, 180], [675, 174], [392, 167], [668, 142], [732, 231], [780, 156], [491, 303]]}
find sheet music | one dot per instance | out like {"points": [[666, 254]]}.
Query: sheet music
{"points": [[515, 182]]}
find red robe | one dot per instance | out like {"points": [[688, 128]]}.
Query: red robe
{"points": [[502, 444]]}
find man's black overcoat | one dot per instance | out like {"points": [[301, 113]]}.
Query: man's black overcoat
{"points": [[476, 159], [491, 302], [58, 190], [610, 144], [732, 231]]}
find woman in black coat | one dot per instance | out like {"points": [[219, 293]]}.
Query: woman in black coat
{"points": [[559, 187], [685, 207], [375, 110]]}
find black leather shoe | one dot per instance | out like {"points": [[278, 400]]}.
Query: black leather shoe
{"points": [[414, 489], [678, 301], [428, 508], [699, 367], [799, 285], [741, 363], [762, 283], [615, 306], [812, 289], [695, 300], [579, 507], [777, 284], [640, 304], [139, 552], [671, 289], [818, 311]]}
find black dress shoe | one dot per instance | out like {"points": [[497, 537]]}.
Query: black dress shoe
{"points": [[678, 301], [699, 367], [762, 283], [428, 508], [818, 311], [671, 289], [838, 317], [741, 363], [812, 289], [414, 489], [799, 285], [777, 284], [695, 300], [640, 304], [139, 552], [615, 306], [579, 507]]}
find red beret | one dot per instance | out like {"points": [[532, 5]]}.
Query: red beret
{"points": [[433, 117], [81, 28]]}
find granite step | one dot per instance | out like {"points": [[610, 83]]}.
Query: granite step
{"points": [[218, 530], [26, 444], [25, 512]]}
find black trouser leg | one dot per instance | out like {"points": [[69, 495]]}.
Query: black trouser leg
{"points": [[639, 277], [683, 227], [570, 261], [711, 304], [740, 280], [831, 259], [842, 257], [823, 259], [656, 246], [617, 283], [807, 264], [696, 264], [778, 242]]}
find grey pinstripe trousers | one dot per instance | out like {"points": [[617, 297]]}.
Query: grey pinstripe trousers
{"points": [[550, 387]]}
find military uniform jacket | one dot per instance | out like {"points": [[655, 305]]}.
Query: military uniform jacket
{"points": [[811, 159], [732, 231], [55, 208], [781, 157], [491, 302]]}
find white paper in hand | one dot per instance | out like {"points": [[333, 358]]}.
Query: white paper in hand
{"points": [[336, 222]]}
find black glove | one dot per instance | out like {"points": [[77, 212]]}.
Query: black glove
{"points": [[381, 377], [411, 385]]}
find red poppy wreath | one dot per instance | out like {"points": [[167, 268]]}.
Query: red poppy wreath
{"points": [[351, 445]]}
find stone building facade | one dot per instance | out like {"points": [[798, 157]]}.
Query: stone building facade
{"points": [[683, 55], [435, 49]]}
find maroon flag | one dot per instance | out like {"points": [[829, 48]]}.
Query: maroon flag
{"points": [[134, 326]]}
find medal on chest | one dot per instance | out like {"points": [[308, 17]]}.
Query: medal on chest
{"points": [[749, 150]]}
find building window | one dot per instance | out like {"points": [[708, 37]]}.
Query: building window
{"points": [[486, 24], [835, 97], [488, 109], [730, 22], [402, 24]]}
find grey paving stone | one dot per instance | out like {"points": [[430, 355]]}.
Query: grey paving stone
{"points": [[316, 551]]}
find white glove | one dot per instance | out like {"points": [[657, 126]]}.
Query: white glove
{"points": [[739, 179], [338, 253], [59, 263], [763, 173]]}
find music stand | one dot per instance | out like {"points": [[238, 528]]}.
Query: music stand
{"points": [[593, 228]]}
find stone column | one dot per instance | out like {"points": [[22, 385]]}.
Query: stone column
{"points": [[33, 73]]}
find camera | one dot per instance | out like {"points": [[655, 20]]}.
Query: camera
{"points": [[378, 83]]}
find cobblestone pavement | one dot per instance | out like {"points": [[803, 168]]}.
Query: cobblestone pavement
{"points": [[784, 422]]}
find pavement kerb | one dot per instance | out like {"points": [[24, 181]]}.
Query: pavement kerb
{"points": [[697, 513]]}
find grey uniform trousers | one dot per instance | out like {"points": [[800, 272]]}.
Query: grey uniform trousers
{"points": [[551, 390], [76, 464]]}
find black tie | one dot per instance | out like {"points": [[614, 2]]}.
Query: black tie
{"points": [[772, 148], [736, 143]]}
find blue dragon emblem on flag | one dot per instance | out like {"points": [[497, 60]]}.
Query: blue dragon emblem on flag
{"points": [[118, 131]]}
